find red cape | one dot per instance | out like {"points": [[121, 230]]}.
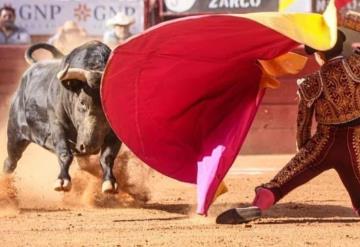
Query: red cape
{"points": [[183, 95]]}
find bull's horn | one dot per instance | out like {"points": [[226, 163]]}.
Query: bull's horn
{"points": [[72, 73], [60, 75], [78, 74]]}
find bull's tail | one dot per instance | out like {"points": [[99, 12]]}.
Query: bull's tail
{"points": [[28, 54]]}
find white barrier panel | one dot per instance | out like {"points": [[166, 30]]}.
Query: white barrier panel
{"points": [[223, 6], [43, 17], [295, 5]]}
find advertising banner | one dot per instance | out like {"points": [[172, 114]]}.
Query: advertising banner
{"points": [[43, 17], [211, 6]]}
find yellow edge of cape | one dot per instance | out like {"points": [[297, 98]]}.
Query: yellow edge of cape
{"points": [[315, 30]]}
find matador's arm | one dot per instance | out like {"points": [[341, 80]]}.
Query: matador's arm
{"points": [[304, 122]]}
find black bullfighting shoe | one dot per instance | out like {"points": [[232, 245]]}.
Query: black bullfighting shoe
{"points": [[239, 215]]}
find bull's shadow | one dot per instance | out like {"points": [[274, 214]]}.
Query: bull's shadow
{"points": [[182, 208], [43, 210]]}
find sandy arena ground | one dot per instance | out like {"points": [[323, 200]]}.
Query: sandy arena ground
{"points": [[32, 214]]}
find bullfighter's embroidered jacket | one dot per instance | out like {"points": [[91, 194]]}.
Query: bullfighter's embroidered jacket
{"points": [[333, 93]]}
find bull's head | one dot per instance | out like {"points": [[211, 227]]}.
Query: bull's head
{"points": [[81, 76]]}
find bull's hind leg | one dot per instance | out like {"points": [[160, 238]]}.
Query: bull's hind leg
{"points": [[17, 141], [15, 148]]}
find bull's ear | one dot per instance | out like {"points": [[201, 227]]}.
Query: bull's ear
{"points": [[72, 85]]}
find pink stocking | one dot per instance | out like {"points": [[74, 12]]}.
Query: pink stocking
{"points": [[264, 199]]}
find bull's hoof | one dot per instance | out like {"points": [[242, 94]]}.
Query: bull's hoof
{"points": [[62, 185], [66, 185], [58, 185], [109, 187]]}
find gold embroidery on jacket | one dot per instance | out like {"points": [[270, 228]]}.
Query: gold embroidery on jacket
{"points": [[304, 121], [304, 159], [340, 98], [310, 88], [352, 67], [356, 147]]}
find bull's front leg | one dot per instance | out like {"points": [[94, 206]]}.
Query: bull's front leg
{"points": [[109, 151], [65, 157]]}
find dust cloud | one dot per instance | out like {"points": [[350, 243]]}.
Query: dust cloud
{"points": [[132, 177], [8, 196], [31, 185]]}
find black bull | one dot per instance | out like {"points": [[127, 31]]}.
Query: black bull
{"points": [[57, 106]]}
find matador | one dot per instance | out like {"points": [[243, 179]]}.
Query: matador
{"points": [[333, 95]]}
